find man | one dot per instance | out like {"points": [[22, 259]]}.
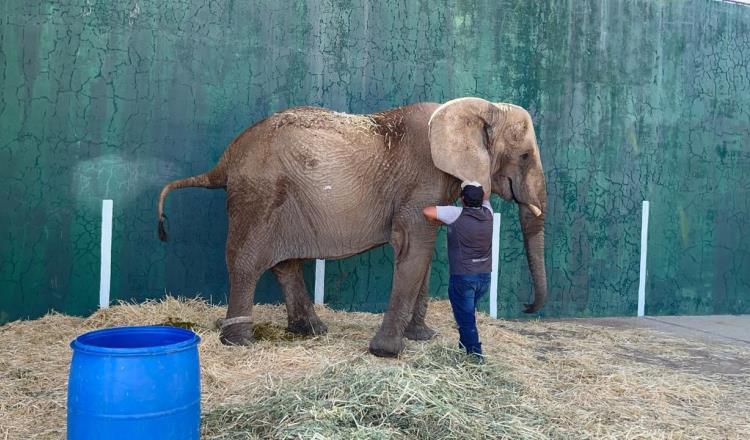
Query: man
{"points": [[469, 258]]}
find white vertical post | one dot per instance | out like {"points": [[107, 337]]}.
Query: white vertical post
{"points": [[644, 251], [320, 276], [105, 271], [495, 263]]}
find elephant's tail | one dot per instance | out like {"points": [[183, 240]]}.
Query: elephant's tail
{"points": [[216, 178]]}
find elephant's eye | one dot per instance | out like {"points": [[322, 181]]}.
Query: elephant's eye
{"points": [[525, 156]]}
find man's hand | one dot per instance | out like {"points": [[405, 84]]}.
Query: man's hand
{"points": [[430, 213]]}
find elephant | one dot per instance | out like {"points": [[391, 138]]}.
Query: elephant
{"points": [[309, 182]]}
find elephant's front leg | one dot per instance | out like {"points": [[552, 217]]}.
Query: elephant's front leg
{"points": [[417, 330], [412, 247]]}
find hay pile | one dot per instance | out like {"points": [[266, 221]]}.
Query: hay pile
{"points": [[438, 394], [542, 379], [316, 118]]}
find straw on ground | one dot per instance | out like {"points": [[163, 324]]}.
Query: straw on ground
{"points": [[542, 379]]}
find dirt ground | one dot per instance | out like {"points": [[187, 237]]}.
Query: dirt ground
{"points": [[574, 379]]}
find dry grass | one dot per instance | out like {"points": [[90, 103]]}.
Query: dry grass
{"points": [[315, 118], [542, 379]]}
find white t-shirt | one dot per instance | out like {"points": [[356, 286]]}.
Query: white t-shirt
{"points": [[449, 214]]}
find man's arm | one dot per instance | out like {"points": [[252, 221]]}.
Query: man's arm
{"points": [[430, 213], [441, 215]]}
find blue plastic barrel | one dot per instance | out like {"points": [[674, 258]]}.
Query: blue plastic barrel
{"points": [[134, 383]]}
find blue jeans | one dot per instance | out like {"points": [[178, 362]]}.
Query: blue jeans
{"points": [[464, 291]]}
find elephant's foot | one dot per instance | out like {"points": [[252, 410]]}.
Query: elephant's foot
{"points": [[310, 326], [418, 332], [386, 346], [240, 333]]}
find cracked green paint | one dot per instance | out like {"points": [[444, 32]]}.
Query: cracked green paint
{"points": [[632, 101]]}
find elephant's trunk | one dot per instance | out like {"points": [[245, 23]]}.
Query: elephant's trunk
{"points": [[533, 240]]}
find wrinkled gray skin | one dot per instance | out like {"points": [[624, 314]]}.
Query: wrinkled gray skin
{"points": [[310, 183]]}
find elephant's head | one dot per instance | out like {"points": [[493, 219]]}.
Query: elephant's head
{"points": [[495, 145]]}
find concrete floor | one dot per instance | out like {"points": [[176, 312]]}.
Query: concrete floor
{"points": [[730, 332], [726, 328]]}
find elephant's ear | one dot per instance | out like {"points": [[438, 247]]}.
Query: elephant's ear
{"points": [[459, 140]]}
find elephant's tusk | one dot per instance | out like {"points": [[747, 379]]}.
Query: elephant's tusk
{"points": [[537, 212]]}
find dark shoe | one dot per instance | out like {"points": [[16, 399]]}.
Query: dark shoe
{"points": [[476, 358], [475, 349], [475, 353]]}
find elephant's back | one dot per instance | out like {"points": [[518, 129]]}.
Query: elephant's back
{"points": [[316, 145], [318, 118], [322, 155], [300, 134]]}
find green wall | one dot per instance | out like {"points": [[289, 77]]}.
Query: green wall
{"points": [[632, 100]]}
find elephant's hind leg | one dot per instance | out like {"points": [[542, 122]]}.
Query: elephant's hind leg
{"points": [[237, 328], [246, 262], [301, 316]]}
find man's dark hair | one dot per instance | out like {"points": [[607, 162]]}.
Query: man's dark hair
{"points": [[472, 196]]}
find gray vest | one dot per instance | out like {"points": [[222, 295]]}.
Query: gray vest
{"points": [[470, 242]]}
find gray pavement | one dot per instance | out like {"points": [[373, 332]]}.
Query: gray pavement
{"points": [[726, 328], [729, 332], [721, 327]]}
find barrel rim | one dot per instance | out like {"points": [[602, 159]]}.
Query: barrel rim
{"points": [[192, 339]]}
